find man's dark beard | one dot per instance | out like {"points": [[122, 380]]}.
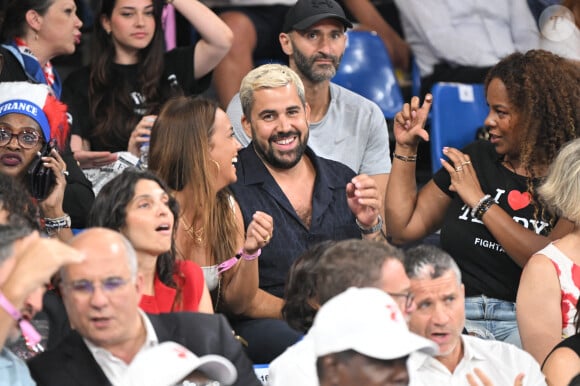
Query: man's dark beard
{"points": [[305, 66], [268, 156]]}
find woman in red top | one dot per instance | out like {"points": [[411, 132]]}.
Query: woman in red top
{"points": [[138, 204]]}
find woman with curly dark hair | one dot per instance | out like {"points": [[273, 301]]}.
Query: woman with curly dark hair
{"points": [[484, 197], [138, 204]]}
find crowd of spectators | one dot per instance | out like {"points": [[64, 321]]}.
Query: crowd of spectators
{"points": [[177, 214]]}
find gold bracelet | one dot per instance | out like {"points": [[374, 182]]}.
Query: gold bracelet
{"points": [[406, 158]]}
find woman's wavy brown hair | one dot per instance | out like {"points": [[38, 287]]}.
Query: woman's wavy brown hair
{"points": [[181, 140]]}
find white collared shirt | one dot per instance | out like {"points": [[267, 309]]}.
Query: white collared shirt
{"points": [[115, 368], [500, 361], [468, 32]]}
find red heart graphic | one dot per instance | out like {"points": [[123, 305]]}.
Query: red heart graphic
{"points": [[518, 200]]}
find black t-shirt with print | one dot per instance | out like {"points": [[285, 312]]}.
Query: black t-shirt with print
{"points": [[486, 268], [178, 62]]}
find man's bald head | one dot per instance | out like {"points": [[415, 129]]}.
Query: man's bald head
{"points": [[96, 242]]}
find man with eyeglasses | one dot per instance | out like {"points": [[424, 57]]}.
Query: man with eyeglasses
{"points": [[101, 296], [343, 264], [26, 263]]}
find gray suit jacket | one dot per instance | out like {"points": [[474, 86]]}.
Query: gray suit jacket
{"points": [[72, 364]]}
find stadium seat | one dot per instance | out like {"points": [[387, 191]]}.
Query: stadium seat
{"points": [[367, 70], [458, 111], [415, 78]]}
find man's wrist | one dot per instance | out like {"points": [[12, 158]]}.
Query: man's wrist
{"points": [[367, 230]]}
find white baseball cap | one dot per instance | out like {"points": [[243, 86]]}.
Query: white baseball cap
{"points": [[169, 363], [368, 321]]}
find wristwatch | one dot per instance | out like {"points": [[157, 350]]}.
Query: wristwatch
{"points": [[373, 229]]}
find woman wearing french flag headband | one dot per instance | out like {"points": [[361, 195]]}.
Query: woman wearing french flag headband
{"points": [[31, 120]]}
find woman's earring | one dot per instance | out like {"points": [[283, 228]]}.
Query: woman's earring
{"points": [[216, 164]]}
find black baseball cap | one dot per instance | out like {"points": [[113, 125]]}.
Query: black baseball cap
{"points": [[308, 12]]}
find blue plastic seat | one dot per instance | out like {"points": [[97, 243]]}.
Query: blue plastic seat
{"points": [[367, 70], [458, 111], [415, 78]]}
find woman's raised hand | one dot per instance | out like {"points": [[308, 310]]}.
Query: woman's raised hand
{"points": [[52, 205], [140, 134], [409, 123], [464, 179], [259, 232]]}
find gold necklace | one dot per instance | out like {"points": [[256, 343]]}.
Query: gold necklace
{"points": [[196, 235]]}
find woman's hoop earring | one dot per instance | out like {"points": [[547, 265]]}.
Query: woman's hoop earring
{"points": [[216, 164]]}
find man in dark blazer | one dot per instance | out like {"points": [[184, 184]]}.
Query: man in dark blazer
{"points": [[101, 296]]}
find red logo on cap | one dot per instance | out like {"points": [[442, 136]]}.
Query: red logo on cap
{"points": [[394, 312], [181, 352]]}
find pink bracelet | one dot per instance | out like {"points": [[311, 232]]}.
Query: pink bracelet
{"points": [[247, 257], [30, 334], [9, 307], [229, 263]]}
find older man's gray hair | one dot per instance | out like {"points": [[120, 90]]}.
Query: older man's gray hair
{"points": [[429, 262]]}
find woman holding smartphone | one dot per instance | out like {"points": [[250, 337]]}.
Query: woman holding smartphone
{"points": [[30, 119]]}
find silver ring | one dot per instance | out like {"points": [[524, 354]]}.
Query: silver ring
{"points": [[465, 163], [458, 169], [64, 172]]}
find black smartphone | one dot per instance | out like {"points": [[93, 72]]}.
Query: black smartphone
{"points": [[41, 178]]}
